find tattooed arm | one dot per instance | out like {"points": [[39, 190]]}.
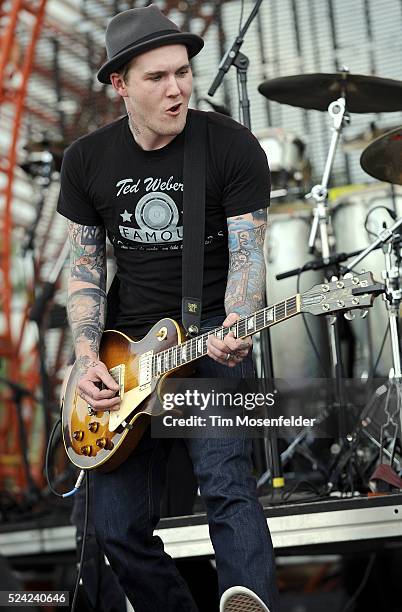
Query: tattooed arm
{"points": [[86, 309], [246, 282], [246, 279]]}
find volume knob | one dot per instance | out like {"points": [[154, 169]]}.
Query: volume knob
{"points": [[104, 443]]}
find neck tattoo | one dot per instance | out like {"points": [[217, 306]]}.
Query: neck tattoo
{"points": [[133, 128]]}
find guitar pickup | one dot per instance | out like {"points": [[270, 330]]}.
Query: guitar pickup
{"points": [[118, 374], [145, 369]]}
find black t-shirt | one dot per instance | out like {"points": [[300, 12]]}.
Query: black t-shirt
{"points": [[107, 179]]}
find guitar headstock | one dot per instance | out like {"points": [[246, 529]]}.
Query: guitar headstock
{"points": [[358, 291]]}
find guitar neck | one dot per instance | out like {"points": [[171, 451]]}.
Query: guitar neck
{"points": [[195, 348]]}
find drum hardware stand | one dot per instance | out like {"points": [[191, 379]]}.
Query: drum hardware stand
{"points": [[393, 298], [319, 193], [233, 56]]}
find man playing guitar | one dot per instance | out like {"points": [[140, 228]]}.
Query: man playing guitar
{"points": [[125, 181]]}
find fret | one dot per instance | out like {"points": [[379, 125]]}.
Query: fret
{"points": [[221, 333], [279, 311], [260, 320], [292, 305], [269, 315], [250, 324], [242, 325]]}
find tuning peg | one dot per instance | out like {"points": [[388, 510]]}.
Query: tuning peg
{"points": [[348, 275], [332, 320], [349, 316], [363, 314], [334, 279]]}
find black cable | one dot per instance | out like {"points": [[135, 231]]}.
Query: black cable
{"points": [[362, 584], [319, 493], [84, 537], [241, 15], [48, 448], [319, 357], [237, 73], [381, 350]]}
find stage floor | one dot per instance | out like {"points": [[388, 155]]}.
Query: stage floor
{"points": [[322, 527]]}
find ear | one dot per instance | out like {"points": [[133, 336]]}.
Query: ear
{"points": [[118, 84]]}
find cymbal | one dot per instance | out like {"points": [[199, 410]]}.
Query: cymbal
{"points": [[364, 94], [383, 157]]}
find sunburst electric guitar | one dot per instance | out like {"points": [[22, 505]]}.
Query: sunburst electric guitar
{"points": [[103, 440]]}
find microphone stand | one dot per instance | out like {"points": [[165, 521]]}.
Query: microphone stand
{"points": [[234, 57]]}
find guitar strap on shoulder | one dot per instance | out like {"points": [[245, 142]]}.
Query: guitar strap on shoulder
{"points": [[194, 181]]}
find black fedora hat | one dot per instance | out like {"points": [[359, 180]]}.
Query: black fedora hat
{"points": [[140, 29]]}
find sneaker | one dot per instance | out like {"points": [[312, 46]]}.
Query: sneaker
{"points": [[241, 599]]}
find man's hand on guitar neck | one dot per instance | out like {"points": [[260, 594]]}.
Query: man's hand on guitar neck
{"points": [[96, 385], [231, 350]]}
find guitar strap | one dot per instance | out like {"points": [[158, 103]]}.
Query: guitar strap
{"points": [[194, 181]]}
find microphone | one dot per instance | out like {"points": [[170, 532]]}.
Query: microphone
{"points": [[225, 64]]}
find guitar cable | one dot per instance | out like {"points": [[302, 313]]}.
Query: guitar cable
{"points": [[84, 538], [73, 491], [81, 475]]}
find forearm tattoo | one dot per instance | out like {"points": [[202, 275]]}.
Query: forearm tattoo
{"points": [[86, 302], [246, 278]]}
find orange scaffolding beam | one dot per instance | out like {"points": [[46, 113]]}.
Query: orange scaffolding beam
{"points": [[13, 60]]}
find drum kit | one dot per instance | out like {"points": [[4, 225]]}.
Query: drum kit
{"points": [[299, 229]]}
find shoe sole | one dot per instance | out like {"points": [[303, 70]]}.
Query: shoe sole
{"points": [[242, 603]]}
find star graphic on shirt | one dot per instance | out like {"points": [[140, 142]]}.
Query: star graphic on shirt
{"points": [[126, 216]]}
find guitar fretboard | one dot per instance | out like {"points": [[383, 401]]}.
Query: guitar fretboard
{"points": [[193, 349]]}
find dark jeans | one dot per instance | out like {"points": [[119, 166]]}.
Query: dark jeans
{"points": [[126, 512]]}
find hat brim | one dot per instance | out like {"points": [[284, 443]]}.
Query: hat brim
{"points": [[193, 43]]}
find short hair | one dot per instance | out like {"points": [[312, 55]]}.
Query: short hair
{"points": [[124, 71]]}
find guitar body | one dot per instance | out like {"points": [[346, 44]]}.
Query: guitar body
{"points": [[103, 440]]}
